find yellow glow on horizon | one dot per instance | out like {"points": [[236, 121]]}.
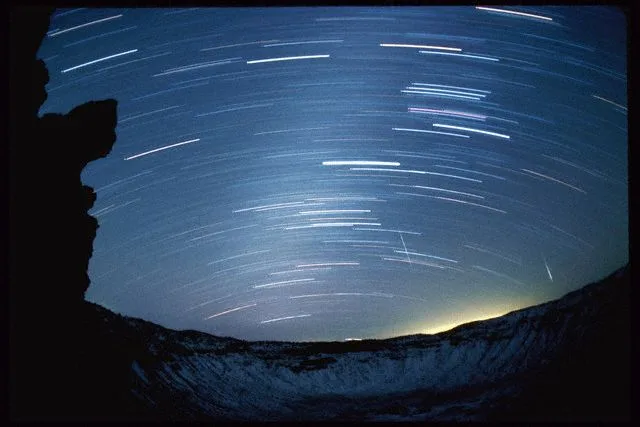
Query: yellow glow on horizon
{"points": [[472, 314], [446, 327]]}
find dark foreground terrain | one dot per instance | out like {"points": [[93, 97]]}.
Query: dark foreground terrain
{"points": [[563, 360]]}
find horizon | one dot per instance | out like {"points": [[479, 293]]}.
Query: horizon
{"points": [[435, 331], [333, 173]]}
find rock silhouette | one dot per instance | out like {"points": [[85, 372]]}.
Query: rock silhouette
{"points": [[51, 238]]}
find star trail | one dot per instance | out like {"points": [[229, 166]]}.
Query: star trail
{"points": [[346, 173]]}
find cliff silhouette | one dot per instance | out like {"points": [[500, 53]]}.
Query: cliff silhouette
{"points": [[57, 366]]}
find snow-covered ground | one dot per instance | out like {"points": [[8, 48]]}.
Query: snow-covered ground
{"points": [[448, 376]]}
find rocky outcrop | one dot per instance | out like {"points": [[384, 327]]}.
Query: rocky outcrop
{"points": [[51, 234]]}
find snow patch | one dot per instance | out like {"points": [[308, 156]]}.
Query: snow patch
{"points": [[138, 370]]}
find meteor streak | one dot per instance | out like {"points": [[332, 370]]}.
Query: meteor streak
{"points": [[161, 148], [548, 271]]}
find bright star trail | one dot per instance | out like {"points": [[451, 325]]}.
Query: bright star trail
{"points": [[330, 173]]}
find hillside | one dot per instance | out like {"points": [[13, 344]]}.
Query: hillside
{"points": [[568, 358]]}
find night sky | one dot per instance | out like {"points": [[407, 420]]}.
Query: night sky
{"points": [[335, 173]]}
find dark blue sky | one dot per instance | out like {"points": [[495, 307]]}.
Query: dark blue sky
{"points": [[332, 173]]}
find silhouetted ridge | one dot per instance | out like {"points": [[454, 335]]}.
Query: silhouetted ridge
{"points": [[567, 359]]}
